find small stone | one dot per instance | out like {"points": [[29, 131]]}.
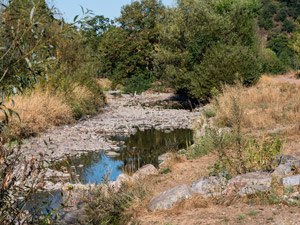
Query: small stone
{"points": [[170, 197], [112, 154], [295, 195], [211, 186], [145, 171], [291, 181]]}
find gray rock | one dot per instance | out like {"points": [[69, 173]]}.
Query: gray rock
{"points": [[291, 181], [162, 158], [249, 179], [145, 171], [170, 197], [252, 190], [283, 159], [74, 216], [282, 170], [182, 152], [112, 154], [211, 186]]}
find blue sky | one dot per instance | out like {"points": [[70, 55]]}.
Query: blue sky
{"points": [[108, 8]]}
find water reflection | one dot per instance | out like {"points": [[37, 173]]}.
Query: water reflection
{"points": [[135, 151]]}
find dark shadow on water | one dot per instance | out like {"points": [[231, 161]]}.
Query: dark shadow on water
{"points": [[139, 149]]}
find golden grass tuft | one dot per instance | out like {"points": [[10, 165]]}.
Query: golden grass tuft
{"points": [[104, 83], [267, 104], [38, 111]]}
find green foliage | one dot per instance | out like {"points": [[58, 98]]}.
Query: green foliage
{"points": [[204, 44], [278, 18], [288, 26], [295, 42], [137, 84], [209, 112], [126, 50], [26, 46], [282, 14], [271, 63]]}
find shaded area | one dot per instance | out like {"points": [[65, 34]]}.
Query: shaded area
{"points": [[144, 147]]}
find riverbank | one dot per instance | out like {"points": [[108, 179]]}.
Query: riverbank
{"points": [[123, 115]]}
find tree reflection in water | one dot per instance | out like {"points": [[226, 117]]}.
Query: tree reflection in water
{"points": [[139, 149]]}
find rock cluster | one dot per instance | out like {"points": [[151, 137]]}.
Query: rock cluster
{"points": [[240, 185]]}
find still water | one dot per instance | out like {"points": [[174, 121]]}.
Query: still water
{"points": [[139, 149]]}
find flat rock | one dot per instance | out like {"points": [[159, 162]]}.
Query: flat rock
{"points": [[249, 179], [291, 181], [170, 197], [112, 154], [211, 186], [145, 171]]}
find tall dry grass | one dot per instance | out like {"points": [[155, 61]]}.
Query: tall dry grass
{"points": [[267, 104], [38, 110]]}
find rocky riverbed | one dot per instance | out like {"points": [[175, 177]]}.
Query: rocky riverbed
{"points": [[123, 114]]}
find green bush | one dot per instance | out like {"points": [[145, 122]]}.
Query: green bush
{"points": [[288, 26], [194, 54], [271, 64], [137, 84], [281, 15]]}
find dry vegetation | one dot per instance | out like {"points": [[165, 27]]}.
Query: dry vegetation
{"points": [[267, 104], [38, 111]]}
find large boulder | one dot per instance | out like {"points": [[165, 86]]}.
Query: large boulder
{"points": [[211, 186], [145, 171], [252, 179], [291, 181], [170, 197]]}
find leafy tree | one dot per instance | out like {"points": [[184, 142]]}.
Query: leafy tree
{"points": [[127, 49], [205, 43], [27, 48], [288, 26], [295, 42], [279, 44], [93, 28], [282, 14]]}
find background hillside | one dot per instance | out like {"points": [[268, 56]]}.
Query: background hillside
{"points": [[278, 21]]}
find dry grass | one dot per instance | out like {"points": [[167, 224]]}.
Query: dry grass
{"points": [[267, 104], [104, 83], [38, 111]]}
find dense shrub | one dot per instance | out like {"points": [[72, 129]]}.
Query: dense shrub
{"points": [[204, 44], [271, 63]]}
